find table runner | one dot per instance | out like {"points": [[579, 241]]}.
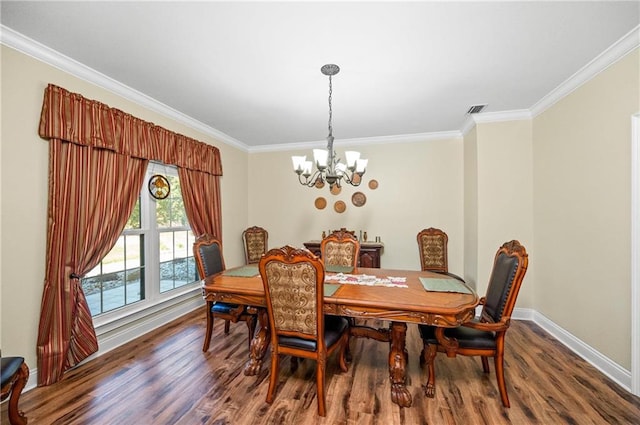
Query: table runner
{"points": [[363, 279]]}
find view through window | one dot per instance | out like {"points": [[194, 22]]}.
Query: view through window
{"points": [[152, 257]]}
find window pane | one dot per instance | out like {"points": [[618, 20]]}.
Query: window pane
{"points": [[104, 286], [135, 218], [177, 267]]}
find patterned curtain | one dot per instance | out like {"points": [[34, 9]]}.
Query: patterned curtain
{"points": [[97, 162], [201, 196], [91, 195]]}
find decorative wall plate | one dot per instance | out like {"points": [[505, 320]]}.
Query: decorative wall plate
{"points": [[159, 186], [358, 199], [339, 206], [320, 203], [319, 183], [335, 189], [373, 184]]}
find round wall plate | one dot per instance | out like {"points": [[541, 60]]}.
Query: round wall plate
{"points": [[159, 186], [358, 199], [373, 184], [320, 203], [339, 206]]}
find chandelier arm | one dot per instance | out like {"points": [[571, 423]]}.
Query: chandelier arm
{"points": [[309, 181]]}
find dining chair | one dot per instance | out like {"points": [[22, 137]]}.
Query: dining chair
{"points": [[255, 240], [207, 252], [483, 336], [340, 249], [293, 282], [15, 374], [432, 245]]}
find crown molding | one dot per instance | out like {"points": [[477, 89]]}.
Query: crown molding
{"points": [[36, 50], [614, 53]]}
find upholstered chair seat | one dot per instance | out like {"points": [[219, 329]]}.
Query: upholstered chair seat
{"points": [[334, 328], [466, 337], [15, 374]]}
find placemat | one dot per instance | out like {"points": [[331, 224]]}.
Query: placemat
{"points": [[339, 269], [330, 289], [444, 285], [244, 271]]}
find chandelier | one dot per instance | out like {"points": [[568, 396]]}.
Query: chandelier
{"points": [[329, 168]]}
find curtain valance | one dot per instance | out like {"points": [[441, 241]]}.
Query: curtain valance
{"points": [[71, 117]]}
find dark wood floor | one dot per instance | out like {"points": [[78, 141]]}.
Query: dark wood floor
{"points": [[164, 378]]}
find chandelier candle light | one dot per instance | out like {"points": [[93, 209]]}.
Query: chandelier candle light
{"points": [[329, 169]]}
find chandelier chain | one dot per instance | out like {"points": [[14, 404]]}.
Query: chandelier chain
{"points": [[330, 109]]}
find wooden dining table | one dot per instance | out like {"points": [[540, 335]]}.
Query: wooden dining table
{"points": [[399, 305]]}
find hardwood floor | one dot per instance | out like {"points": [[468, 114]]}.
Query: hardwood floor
{"points": [[165, 378]]}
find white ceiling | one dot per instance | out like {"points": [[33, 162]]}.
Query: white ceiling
{"points": [[252, 70]]}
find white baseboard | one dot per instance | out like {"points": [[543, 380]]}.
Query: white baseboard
{"points": [[588, 353]]}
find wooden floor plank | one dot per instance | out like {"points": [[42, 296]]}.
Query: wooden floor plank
{"points": [[165, 378]]}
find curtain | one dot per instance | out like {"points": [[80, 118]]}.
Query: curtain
{"points": [[91, 195], [201, 196], [97, 162]]}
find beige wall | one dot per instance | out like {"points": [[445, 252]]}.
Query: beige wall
{"points": [[24, 165], [582, 208], [420, 185], [505, 197]]}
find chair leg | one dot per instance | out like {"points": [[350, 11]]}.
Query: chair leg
{"points": [[273, 378], [499, 363], [209, 331], [320, 378], [485, 364], [16, 417], [294, 364], [226, 327], [429, 357], [342, 354]]}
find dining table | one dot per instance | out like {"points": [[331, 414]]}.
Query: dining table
{"points": [[400, 297]]}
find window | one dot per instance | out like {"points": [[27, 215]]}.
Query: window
{"points": [[152, 258]]}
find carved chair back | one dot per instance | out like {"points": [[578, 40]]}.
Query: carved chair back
{"points": [[340, 248], [255, 240], [432, 245]]}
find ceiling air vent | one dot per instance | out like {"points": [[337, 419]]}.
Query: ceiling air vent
{"points": [[476, 108]]}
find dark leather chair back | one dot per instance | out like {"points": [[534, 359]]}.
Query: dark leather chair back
{"points": [[509, 266], [208, 254]]}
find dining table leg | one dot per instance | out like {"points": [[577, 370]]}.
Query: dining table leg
{"points": [[259, 344], [398, 365]]}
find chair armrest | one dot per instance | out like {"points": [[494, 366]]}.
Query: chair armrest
{"points": [[487, 326]]}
